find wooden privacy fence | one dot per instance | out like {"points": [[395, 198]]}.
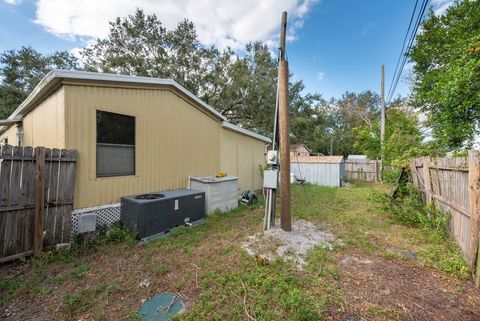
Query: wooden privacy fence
{"points": [[453, 184], [36, 199], [362, 170]]}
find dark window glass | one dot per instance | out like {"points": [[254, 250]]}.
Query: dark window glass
{"points": [[115, 144], [115, 128]]}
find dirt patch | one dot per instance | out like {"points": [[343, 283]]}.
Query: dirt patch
{"points": [[396, 290], [293, 245]]}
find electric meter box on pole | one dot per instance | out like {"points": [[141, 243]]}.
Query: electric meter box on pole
{"points": [[270, 178]]}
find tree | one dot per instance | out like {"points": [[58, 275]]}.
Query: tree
{"points": [[22, 70], [336, 119], [140, 45], [403, 137], [446, 70], [241, 87]]}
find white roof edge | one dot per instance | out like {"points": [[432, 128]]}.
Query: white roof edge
{"points": [[55, 76], [46, 80], [244, 131], [87, 75]]}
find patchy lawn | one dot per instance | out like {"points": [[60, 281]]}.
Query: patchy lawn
{"points": [[384, 271]]}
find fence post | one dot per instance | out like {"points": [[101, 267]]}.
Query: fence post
{"points": [[39, 200], [427, 181], [413, 172], [474, 186]]}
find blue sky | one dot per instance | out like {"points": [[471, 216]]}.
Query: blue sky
{"points": [[343, 44], [336, 45]]}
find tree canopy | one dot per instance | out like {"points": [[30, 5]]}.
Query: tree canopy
{"points": [[403, 137], [242, 85], [22, 69], [446, 70]]}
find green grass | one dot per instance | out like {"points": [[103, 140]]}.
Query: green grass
{"points": [[219, 279], [79, 271], [82, 300], [275, 291], [429, 237]]}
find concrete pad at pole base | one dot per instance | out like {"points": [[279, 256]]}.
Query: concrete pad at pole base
{"points": [[161, 307]]}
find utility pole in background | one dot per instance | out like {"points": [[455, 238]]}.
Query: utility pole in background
{"points": [[382, 122], [284, 131]]}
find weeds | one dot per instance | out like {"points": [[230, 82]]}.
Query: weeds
{"points": [[273, 291], [409, 209], [436, 247], [83, 300], [116, 235], [79, 271]]}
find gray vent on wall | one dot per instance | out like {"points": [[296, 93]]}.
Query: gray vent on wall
{"points": [[87, 223], [104, 215]]}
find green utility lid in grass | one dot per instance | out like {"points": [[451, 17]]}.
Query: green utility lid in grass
{"points": [[161, 307]]}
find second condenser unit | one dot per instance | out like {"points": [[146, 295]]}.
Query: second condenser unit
{"points": [[221, 192]]}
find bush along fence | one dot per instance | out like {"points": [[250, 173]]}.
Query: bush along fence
{"points": [[36, 199], [363, 170], [453, 184]]}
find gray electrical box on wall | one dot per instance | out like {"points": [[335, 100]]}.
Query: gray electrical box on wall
{"points": [[270, 178], [272, 157], [87, 223]]}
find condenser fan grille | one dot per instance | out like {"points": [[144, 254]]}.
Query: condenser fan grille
{"points": [[149, 196]]}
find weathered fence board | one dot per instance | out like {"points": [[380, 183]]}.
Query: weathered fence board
{"points": [[362, 170], [453, 184], [31, 211]]}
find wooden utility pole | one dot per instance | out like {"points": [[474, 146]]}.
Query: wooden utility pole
{"points": [[284, 131], [382, 121]]}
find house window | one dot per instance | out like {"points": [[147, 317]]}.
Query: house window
{"points": [[115, 144]]}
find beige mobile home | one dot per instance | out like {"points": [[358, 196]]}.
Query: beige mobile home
{"points": [[133, 135]]}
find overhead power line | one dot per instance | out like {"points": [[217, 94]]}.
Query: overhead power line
{"points": [[403, 47], [402, 59]]}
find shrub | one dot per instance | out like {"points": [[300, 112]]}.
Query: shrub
{"points": [[391, 173], [116, 235], [409, 209]]}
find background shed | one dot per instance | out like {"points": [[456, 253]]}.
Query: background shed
{"points": [[319, 170]]}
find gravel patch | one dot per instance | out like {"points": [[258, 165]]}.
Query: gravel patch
{"points": [[293, 245]]}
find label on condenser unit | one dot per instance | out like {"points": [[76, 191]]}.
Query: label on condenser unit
{"points": [[197, 197], [176, 205]]}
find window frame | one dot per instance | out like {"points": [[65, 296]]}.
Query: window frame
{"points": [[102, 176]]}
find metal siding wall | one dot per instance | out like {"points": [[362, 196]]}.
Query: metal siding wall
{"points": [[241, 156], [319, 174], [174, 140], [11, 135], [44, 125]]}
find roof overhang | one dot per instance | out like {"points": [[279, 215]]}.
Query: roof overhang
{"points": [[244, 131], [9, 122]]}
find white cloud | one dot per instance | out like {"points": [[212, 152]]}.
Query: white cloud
{"points": [[221, 23], [12, 1], [441, 6], [320, 76]]}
